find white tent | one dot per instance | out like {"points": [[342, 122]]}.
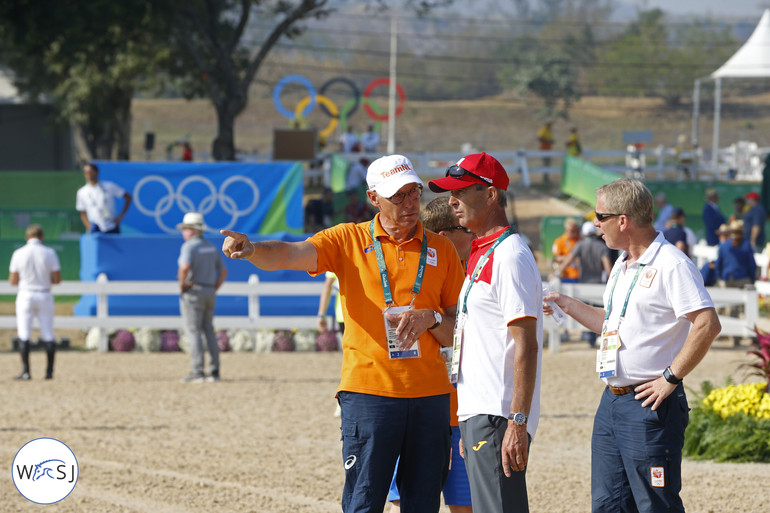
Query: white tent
{"points": [[752, 60]]}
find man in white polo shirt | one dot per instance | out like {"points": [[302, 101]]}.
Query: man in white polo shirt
{"points": [[34, 268], [657, 324], [498, 338], [96, 202]]}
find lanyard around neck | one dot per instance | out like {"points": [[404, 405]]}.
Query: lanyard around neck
{"points": [[628, 295], [384, 269], [482, 261]]}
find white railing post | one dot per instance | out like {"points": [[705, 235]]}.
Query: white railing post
{"points": [[751, 302], [521, 165], [253, 303], [102, 311], [660, 152]]}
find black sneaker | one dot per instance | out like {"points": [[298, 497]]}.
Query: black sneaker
{"points": [[194, 378], [49, 375], [24, 376], [213, 377]]}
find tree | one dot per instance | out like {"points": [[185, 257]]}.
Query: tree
{"points": [[551, 77], [650, 59], [84, 57], [215, 39]]}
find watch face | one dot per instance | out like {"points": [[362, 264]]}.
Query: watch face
{"points": [[518, 418]]}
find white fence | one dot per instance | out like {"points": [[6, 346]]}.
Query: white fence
{"points": [[102, 288], [524, 162], [703, 253], [253, 289], [731, 326]]}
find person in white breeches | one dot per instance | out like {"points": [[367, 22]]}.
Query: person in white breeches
{"points": [[34, 268]]}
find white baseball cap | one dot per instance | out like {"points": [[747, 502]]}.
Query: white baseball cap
{"points": [[588, 229], [191, 220], [388, 174]]}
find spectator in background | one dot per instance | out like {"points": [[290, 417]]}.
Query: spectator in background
{"points": [[356, 211], [709, 269], [34, 268], [96, 202], [739, 209], [319, 212], [684, 158], [331, 288], [200, 273], [563, 246], [349, 141], [665, 211], [545, 140], [573, 143], [356, 176], [735, 266], [593, 256], [675, 233], [370, 140], [712, 217], [754, 222], [187, 152]]}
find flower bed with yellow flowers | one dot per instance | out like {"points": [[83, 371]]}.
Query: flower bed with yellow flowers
{"points": [[732, 423], [749, 399]]}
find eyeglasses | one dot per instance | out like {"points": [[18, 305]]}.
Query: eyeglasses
{"points": [[458, 227], [399, 197], [601, 216], [458, 172]]}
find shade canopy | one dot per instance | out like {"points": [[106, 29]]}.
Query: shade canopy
{"points": [[752, 60]]}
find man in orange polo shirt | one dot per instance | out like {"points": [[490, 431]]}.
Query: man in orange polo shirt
{"points": [[399, 286], [563, 246]]}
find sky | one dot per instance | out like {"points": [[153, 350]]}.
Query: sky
{"points": [[720, 8]]}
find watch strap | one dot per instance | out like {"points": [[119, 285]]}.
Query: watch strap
{"points": [[438, 318], [670, 377]]}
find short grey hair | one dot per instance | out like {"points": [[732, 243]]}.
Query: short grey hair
{"points": [[628, 197]]}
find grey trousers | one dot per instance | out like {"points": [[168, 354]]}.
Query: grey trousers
{"points": [[491, 491], [197, 307]]}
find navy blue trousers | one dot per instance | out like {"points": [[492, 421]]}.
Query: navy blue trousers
{"points": [[375, 430], [636, 454]]}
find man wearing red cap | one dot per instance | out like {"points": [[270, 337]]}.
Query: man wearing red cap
{"points": [[497, 340], [399, 285], [754, 222]]}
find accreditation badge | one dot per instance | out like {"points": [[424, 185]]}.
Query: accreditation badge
{"points": [[394, 343], [457, 346], [607, 354]]}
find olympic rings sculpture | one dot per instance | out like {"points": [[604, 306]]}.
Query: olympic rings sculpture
{"points": [[308, 103], [185, 204]]}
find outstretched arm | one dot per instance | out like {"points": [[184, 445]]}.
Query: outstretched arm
{"points": [[271, 255], [589, 316]]}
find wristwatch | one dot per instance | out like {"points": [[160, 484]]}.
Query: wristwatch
{"points": [[437, 316], [518, 418], [670, 377]]}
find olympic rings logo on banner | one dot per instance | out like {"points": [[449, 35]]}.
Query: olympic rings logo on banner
{"points": [[186, 204], [338, 116]]}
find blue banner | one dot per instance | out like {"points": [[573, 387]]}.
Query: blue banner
{"points": [[246, 197]]}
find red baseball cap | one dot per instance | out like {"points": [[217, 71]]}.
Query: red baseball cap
{"points": [[753, 195], [477, 168]]}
